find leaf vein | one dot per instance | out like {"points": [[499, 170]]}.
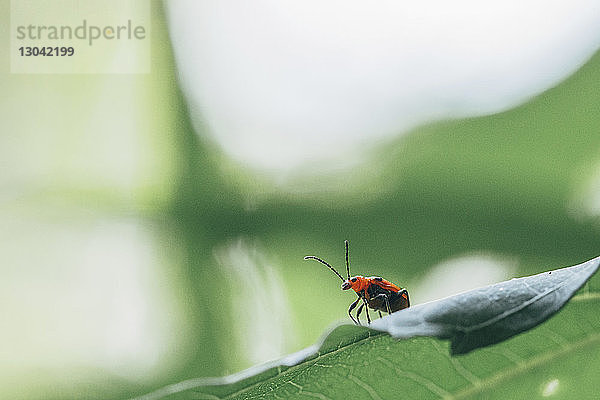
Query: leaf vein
{"points": [[525, 365], [458, 367], [302, 364], [366, 387], [432, 386], [516, 309]]}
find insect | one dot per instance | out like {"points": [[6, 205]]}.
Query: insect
{"points": [[374, 292]]}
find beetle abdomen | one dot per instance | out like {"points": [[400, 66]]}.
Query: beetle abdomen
{"points": [[397, 300]]}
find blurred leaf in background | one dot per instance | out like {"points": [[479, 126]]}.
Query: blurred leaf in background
{"points": [[90, 280], [145, 241]]}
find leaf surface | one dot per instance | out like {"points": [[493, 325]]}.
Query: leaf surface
{"points": [[358, 362]]}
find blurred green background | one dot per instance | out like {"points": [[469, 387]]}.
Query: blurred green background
{"points": [[134, 254]]}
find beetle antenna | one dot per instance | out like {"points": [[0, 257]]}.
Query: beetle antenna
{"points": [[324, 262], [347, 262]]}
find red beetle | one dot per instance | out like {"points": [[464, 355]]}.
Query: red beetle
{"points": [[374, 292]]}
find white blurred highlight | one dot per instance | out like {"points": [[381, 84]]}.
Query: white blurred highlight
{"points": [[88, 295], [280, 84], [550, 388], [463, 273], [585, 201], [262, 314]]}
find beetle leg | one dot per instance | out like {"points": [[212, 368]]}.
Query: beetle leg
{"points": [[404, 293], [387, 304], [387, 301], [379, 313], [352, 307], [367, 310], [358, 312]]}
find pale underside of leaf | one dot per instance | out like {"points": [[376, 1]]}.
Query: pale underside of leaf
{"points": [[491, 314]]}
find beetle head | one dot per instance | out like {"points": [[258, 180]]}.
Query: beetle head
{"points": [[356, 283]]}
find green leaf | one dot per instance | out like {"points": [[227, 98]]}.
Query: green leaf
{"points": [[357, 362], [493, 313]]}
